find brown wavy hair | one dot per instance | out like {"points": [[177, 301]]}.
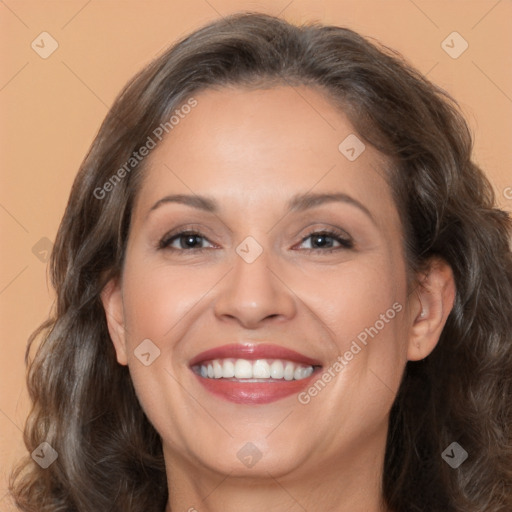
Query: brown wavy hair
{"points": [[84, 404]]}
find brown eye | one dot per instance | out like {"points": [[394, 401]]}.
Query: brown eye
{"points": [[325, 241], [185, 240]]}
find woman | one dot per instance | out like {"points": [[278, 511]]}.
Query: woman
{"points": [[282, 284]]}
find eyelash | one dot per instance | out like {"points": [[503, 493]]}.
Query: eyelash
{"points": [[338, 236]]}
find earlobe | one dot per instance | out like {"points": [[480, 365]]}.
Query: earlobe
{"points": [[111, 298], [430, 306]]}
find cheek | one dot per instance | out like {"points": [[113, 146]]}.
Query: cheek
{"points": [[353, 299], [157, 298], [373, 337], [364, 312]]}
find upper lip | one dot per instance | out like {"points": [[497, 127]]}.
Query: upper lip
{"points": [[253, 351]]}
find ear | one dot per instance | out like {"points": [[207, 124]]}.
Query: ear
{"points": [[430, 306], [112, 300]]}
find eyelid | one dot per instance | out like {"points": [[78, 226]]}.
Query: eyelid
{"points": [[324, 227], [164, 241], [168, 240], [342, 237]]}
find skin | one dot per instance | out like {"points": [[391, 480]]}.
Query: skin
{"points": [[251, 151]]}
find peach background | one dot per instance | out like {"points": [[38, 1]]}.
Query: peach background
{"points": [[52, 109]]}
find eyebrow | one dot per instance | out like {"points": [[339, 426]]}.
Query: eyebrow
{"points": [[297, 203]]}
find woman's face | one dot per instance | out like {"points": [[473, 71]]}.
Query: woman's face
{"points": [[292, 257]]}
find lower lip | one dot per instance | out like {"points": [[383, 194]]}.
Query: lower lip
{"points": [[252, 393]]}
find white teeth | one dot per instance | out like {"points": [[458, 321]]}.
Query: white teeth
{"points": [[217, 369], [289, 370], [302, 372], [277, 370], [228, 369], [254, 369], [243, 369], [260, 369], [297, 374]]}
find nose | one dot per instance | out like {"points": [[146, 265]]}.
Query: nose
{"points": [[253, 293]]}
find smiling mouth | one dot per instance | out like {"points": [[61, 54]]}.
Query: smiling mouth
{"points": [[259, 370], [253, 374]]}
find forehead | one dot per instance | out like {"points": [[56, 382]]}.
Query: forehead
{"points": [[247, 147]]}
